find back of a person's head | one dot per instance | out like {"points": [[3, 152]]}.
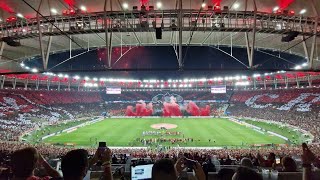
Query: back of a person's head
{"points": [[289, 164], [75, 163], [164, 169], [225, 174], [24, 161], [246, 162], [244, 173]]}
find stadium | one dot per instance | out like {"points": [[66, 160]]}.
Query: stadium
{"points": [[226, 84]]}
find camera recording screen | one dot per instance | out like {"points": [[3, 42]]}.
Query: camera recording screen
{"points": [[141, 172]]}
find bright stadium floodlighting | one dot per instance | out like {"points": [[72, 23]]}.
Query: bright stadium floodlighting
{"points": [[95, 79], [162, 86], [22, 64], [304, 64], [174, 85], [203, 5], [54, 11], [170, 80], [125, 5], [66, 76], [244, 83], [95, 85], [298, 67], [256, 75], [20, 15], [237, 77], [276, 8], [236, 6], [34, 70], [303, 11], [83, 8], [60, 75], [76, 77], [244, 77], [190, 85], [226, 78], [159, 5], [86, 78]]}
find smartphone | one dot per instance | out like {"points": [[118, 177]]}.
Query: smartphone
{"points": [[102, 144]]}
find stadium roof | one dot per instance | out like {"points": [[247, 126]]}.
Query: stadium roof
{"points": [[26, 30]]}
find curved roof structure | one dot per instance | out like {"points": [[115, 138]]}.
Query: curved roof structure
{"points": [[43, 27]]}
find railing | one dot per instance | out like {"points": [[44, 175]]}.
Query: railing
{"points": [[135, 21]]}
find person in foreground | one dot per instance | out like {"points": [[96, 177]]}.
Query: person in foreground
{"points": [[245, 173], [308, 158], [25, 161], [75, 164], [166, 169]]}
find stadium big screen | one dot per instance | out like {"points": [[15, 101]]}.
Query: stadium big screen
{"points": [[113, 90], [219, 89]]}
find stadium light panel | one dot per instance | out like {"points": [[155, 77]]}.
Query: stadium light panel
{"points": [[276, 8], [159, 5], [244, 77], [20, 15], [54, 11], [34, 70], [83, 8], [245, 83], [298, 67], [125, 5], [203, 5], [236, 5], [303, 11]]}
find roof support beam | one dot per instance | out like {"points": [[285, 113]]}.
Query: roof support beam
{"points": [[180, 19], [44, 62], [314, 40], [1, 49], [251, 47], [107, 37]]}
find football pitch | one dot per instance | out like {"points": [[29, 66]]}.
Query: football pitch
{"points": [[199, 132]]}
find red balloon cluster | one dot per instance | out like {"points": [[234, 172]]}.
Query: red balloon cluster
{"points": [[142, 109], [194, 110]]}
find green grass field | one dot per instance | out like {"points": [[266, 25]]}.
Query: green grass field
{"points": [[124, 132]]}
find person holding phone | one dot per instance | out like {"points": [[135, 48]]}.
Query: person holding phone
{"points": [[76, 163]]}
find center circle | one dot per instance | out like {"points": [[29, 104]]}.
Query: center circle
{"points": [[164, 126]]}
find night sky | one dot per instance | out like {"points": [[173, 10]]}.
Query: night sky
{"points": [[157, 61]]}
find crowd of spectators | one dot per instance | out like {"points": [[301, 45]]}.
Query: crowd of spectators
{"points": [[299, 107], [19, 160]]}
